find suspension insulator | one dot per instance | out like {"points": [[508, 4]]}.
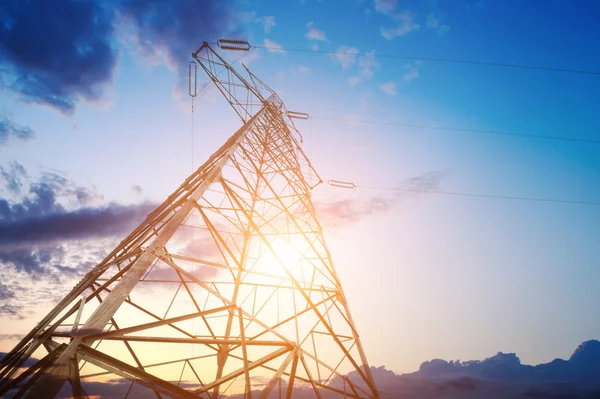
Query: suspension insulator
{"points": [[297, 115], [232, 44], [341, 184], [193, 76]]}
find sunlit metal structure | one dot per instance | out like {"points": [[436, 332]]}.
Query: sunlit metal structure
{"points": [[227, 288]]}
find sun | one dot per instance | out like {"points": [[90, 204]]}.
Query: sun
{"points": [[283, 252]]}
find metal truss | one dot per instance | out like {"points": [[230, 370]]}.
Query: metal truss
{"points": [[227, 288]]}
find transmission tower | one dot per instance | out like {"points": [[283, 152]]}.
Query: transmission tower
{"points": [[227, 288]]}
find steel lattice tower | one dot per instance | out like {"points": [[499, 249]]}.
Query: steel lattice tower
{"points": [[227, 287]]}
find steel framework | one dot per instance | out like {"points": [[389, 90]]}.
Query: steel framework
{"points": [[226, 288]]}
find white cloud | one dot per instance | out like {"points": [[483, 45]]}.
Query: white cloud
{"points": [[433, 22], [406, 24], [303, 69], [315, 33], [273, 47], [412, 74], [268, 22], [389, 88], [412, 70], [245, 16], [314, 47], [367, 63], [346, 56], [385, 6], [353, 80]]}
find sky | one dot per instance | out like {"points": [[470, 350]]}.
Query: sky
{"points": [[96, 129]]}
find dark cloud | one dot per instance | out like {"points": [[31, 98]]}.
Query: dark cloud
{"points": [[427, 181], [6, 292], [13, 176], [175, 29], [342, 212], [31, 260], [11, 311], [41, 219], [137, 189], [10, 130], [35, 228], [54, 53], [81, 224], [61, 225]]}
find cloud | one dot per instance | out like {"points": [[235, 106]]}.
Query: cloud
{"points": [[268, 23], [353, 80], [31, 261], [47, 273], [43, 192], [56, 55], [54, 210], [172, 30], [13, 176], [6, 292], [386, 6], [43, 221], [10, 130], [338, 213], [405, 24], [11, 311], [315, 33], [389, 88], [346, 56], [412, 71], [273, 47], [343, 212], [412, 74], [434, 23], [367, 63], [427, 181], [136, 188], [303, 69]]}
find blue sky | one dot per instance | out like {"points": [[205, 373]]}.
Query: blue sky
{"points": [[427, 276]]}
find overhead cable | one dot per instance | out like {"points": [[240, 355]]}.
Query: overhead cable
{"points": [[460, 129], [341, 184], [444, 60]]}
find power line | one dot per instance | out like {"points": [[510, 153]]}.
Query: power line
{"points": [[445, 60], [463, 194], [466, 130]]}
